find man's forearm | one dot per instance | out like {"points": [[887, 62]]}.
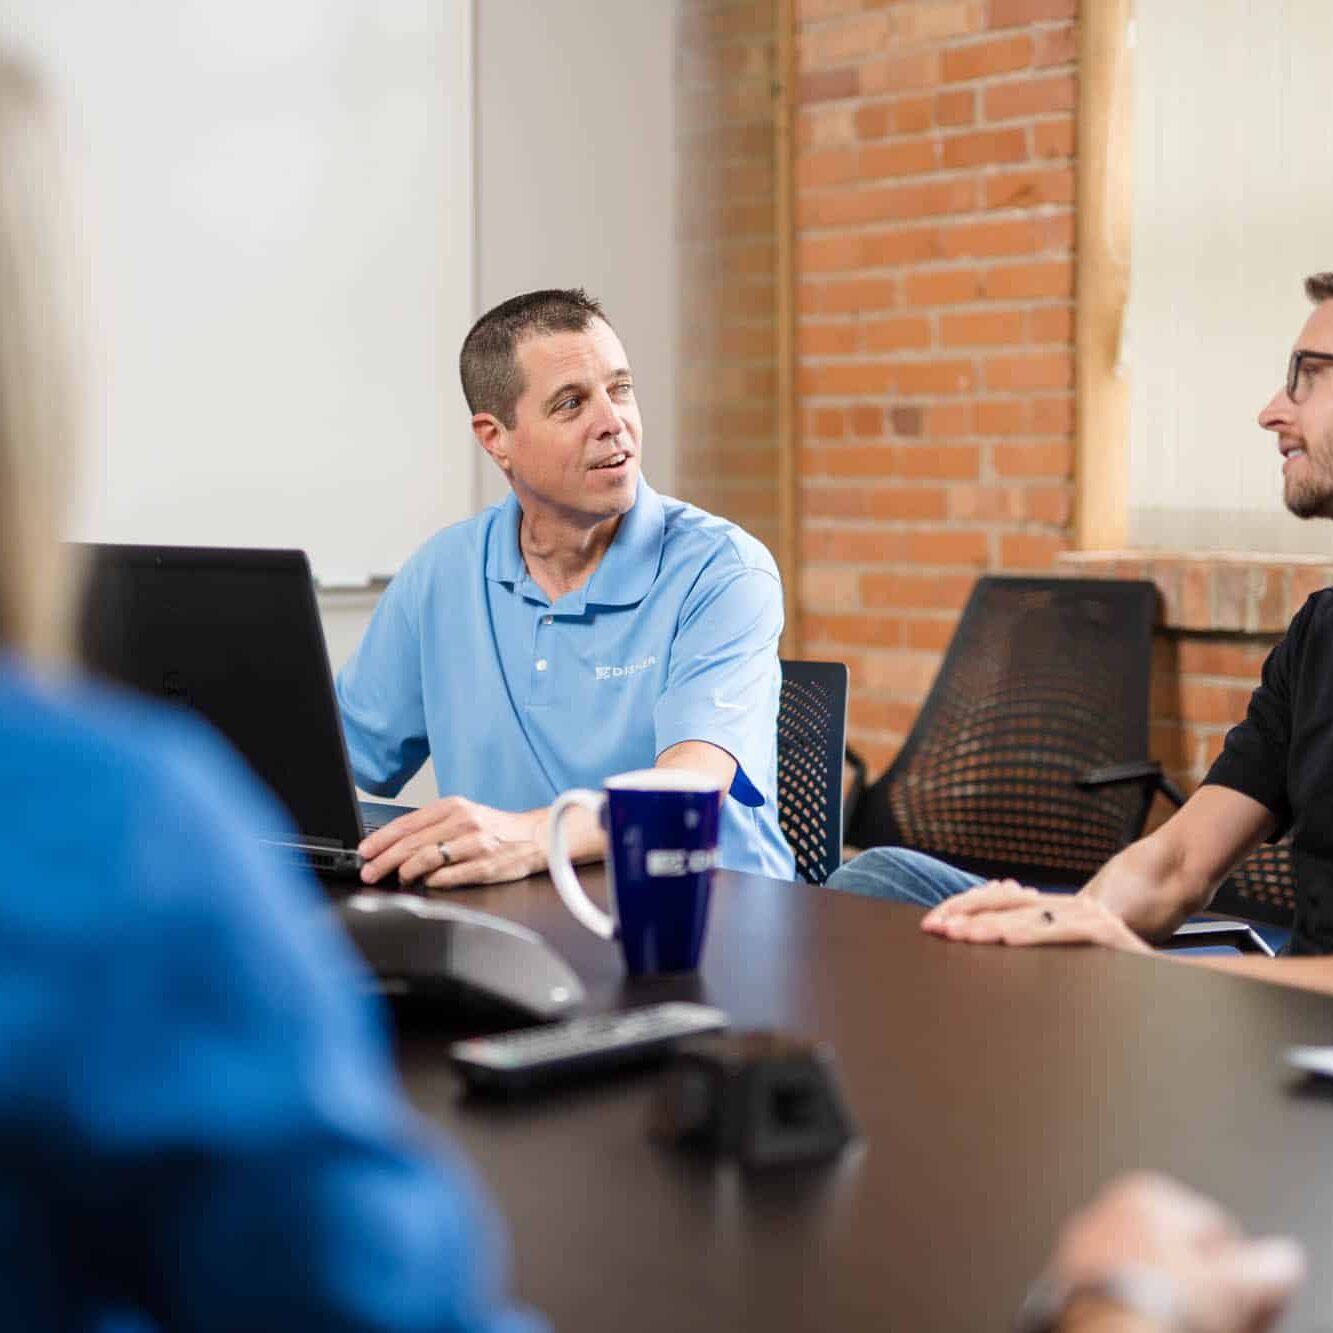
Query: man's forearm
{"points": [[1150, 886]]}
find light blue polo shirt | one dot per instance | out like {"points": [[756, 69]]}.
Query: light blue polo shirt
{"points": [[673, 638]]}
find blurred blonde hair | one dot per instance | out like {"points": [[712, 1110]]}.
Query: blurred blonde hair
{"points": [[38, 405]]}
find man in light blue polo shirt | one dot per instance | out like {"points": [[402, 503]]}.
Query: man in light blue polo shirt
{"points": [[584, 627]]}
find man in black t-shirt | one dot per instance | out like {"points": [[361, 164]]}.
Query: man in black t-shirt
{"points": [[1274, 775]]}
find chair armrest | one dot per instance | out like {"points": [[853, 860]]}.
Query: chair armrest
{"points": [[853, 797], [1147, 772], [1196, 934]]}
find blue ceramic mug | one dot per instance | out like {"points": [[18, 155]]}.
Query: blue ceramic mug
{"points": [[661, 827]]}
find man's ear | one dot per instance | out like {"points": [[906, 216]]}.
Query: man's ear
{"points": [[492, 437]]}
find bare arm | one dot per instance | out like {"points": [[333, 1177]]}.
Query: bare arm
{"points": [[1155, 883], [1144, 892]]}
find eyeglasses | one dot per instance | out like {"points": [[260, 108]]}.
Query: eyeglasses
{"points": [[1299, 377]]}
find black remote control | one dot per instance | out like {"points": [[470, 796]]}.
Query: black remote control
{"points": [[578, 1046]]}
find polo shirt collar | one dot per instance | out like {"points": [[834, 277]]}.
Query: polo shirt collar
{"points": [[627, 571]]}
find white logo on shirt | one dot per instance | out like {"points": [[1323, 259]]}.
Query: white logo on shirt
{"points": [[629, 669]]}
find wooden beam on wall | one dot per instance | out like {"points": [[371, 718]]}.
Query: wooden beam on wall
{"points": [[1105, 124], [785, 251]]}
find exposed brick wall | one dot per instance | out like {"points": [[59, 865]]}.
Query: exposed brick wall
{"points": [[935, 231], [727, 459], [935, 146]]}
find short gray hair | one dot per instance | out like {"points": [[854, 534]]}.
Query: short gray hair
{"points": [[488, 364]]}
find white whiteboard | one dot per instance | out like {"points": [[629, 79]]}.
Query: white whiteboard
{"points": [[277, 203]]}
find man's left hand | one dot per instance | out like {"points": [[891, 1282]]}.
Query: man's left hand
{"points": [[454, 842], [1004, 912]]}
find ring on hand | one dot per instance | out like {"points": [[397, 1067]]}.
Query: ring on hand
{"points": [[1048, 916], [446, 856]]}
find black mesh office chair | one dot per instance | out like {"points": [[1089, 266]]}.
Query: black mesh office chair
{"points": [[1028, 757], [812, 736]]}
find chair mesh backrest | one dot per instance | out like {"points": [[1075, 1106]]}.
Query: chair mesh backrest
{"points": [[1262, 888], [1044, 680], [812, 733]]}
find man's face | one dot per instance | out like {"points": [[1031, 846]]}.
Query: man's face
{"points": [[1303, 423], [573, 451]]}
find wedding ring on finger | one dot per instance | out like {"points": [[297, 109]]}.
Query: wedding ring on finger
{"points": [[446, 856]]}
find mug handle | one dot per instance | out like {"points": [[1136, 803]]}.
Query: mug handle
{"points": [[566, 882]]}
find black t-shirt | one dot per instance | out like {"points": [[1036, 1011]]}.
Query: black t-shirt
{"points": [[1282, 756]]}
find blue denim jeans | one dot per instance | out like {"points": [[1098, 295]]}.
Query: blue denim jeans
{"points": [[902, 876]]}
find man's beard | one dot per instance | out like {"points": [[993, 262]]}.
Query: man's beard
{"points": [[1310, 497]]}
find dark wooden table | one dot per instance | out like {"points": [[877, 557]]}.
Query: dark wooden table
{"points": [[996, 1089]]}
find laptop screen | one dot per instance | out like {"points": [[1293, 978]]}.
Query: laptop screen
{"points": [[235, 636]]}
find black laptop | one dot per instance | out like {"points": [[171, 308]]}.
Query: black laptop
{"points": [[235, 636]]}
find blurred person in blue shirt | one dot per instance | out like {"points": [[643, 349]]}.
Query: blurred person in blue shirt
{"points": [[585, 627], [200, 1127]]}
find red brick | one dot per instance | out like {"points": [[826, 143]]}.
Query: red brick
{"points": [[1048, 278], [1034, 460], [1055, 46], [884, 249], [844, 207], [898, 158], [1041, 370], [866, 420], [912, 115], [1008, 237], [978, 60], [855, 377], [851, 295], [826, 339], [985, 503], [1053, 138], [1207, 657], [1021, 98], [906, 502], [955, 108], [1030, 550], [984, 146], [906, 421], [1013, 13], [1004, 417], [873, 460], [1052, 324], [942, 286], [826, 423], [921, 591], [934, 22], [886, 335], [833, 166], [1053, 416], [947, 421], [928, 635], [1220, 705], [898, 672], [918, 69], [878, 714], [949, 547], [843, 545], [830, 589], [986, 328], [846, 42], [1024, 189], [933, 377], [1048, 504], [825, 85], [932, 462], [872, 120]]}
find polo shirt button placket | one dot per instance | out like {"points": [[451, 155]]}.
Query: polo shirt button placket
{"points": [[541, 658]]}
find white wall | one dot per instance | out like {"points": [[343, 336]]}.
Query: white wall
{"points": [[1232, 158], [575, 179], [277, 202]]}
